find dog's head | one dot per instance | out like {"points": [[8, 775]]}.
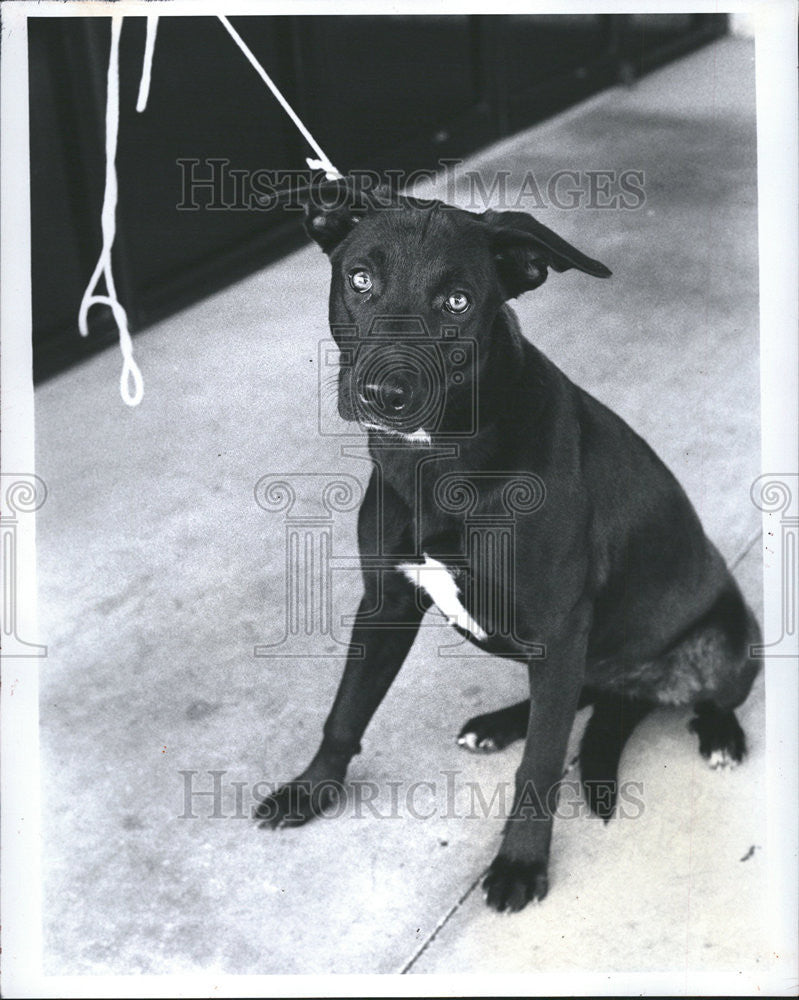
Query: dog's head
{"points": [[415, 290]]}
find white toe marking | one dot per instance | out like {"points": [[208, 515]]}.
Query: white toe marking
{"points": [[721, 759], [434, 577], [468, 740]]}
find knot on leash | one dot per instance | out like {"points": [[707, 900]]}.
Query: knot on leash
{"points": [[331, 174]]}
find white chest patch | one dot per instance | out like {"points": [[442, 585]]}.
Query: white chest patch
{"points": [[434, 577]]}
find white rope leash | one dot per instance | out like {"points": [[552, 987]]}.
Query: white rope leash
{"points": [[131, 384], [147, 64], [323, 163]]}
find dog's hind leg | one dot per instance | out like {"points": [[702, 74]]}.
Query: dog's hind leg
{"points": [[712, 668], [721, 739], [611, 725]]}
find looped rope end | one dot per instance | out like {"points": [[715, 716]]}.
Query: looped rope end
{"points": [[130, 371]]}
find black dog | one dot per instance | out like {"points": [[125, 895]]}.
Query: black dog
{"points": [[608, 589]]}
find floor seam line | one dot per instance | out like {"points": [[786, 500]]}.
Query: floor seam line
{"points": [[440, 925]]}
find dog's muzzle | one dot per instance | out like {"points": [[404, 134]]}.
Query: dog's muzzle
{"points": [[398, 386]]}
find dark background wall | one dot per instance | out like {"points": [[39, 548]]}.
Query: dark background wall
{"points": [[380, 93]]}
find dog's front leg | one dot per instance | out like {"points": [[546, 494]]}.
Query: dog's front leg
{"points": [[386, 624], [518, 874]]}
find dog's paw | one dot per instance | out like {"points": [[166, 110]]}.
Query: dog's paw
{"points": [[473, 741], [510, 885], [294, 804], [723, 759], [494, 730], [721, 740]]}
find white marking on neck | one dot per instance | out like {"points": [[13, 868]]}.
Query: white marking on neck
{"points": [[419, 436], [434, 577]]}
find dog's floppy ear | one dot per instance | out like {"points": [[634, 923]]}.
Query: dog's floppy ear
{"points": [[329, 226], [524, 250], [334, 208]]}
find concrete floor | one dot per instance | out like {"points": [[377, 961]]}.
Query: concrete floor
{"points": [[159, 574]]}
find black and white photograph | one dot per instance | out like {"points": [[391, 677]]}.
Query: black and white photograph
{"points": [[400, 499]]}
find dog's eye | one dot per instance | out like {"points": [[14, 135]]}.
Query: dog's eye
{"points": [[361, 281], [457, 302]]}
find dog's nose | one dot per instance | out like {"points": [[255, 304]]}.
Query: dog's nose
{"points": [[387, 398]]}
